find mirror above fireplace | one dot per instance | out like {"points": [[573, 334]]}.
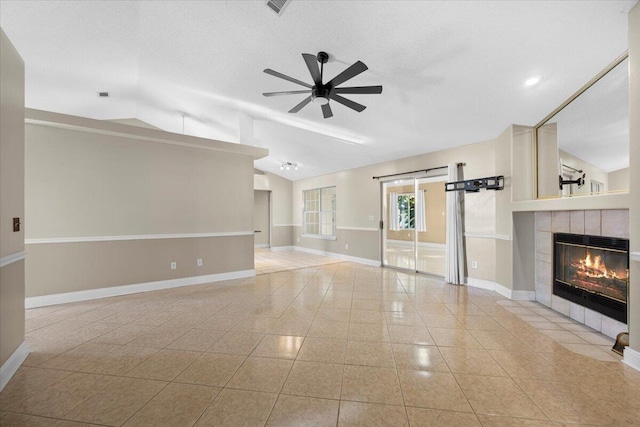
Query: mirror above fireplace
{"points": [[583, 146]]}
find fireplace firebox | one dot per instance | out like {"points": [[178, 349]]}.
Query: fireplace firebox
{"points": [[592, 271]]}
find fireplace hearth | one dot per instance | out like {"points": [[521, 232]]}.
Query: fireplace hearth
{"points": [[592, 271]]}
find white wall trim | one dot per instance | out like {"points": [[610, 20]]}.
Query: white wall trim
{"points": [[12, 364], [261, 245], [135, 237], [635, 256], [45, 300], [358, 260], [281, 248], [283, 225], [420, 244], [632, 358], [297, 225], [11, 258], [487, 235], [344, 227], [515, 295]]}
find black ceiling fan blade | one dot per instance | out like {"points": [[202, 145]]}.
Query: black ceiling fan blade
{"points": [[285, 77], [300, 105], [312, 65], [288, 92], [326, 111], [347, 74], [347, 102], [373, 90]]}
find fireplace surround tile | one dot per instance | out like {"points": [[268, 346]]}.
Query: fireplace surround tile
{"points": [[577, 222], [543, 221], [576, 312], [593, 319], [615, 223], [544, 257], [543, 293], [543, 272], [592, 223], [561, 222], [611, 327], [561, 305], [544, 242]]}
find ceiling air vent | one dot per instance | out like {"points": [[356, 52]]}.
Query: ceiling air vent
{"points": [[103, 94], [277, 5]]}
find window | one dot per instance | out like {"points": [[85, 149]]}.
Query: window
{"points": [[320, 212], [596, 186], [406, 211]]}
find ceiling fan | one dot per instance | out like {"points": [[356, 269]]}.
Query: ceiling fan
{"points": [[320, 93]]}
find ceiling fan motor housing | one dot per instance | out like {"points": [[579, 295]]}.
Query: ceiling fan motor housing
{"points": [[320, 95]]}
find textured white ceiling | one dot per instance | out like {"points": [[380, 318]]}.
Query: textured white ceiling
{"points": [[452, 72]]}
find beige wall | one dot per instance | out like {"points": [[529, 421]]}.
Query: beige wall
{"points": [[634, 211], [358, 200], [261, 216], [619, 180], [68, 267], [281, 209], [91, 179], [11, 197]]}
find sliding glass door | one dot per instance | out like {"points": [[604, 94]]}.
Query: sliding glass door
{"points": [[414, 216]]}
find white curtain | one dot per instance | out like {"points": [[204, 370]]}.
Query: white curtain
{"points": [[455, 260], [421, 218], [394, 213]]}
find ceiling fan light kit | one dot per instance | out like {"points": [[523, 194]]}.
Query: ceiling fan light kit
{"points": [[321, 93]]}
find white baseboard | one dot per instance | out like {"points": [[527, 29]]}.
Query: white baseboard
{"points": [[502, 290], [67, 297], [13, 363], [358, 260], [482, 284], [632, 358], [281, 248], [261, 245]]}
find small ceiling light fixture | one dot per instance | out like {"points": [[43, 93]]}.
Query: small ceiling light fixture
{"points": [[288, 166], [532, 81], [103, 94]]}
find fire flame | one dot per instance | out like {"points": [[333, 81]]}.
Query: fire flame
{"points": [[596, 268]]}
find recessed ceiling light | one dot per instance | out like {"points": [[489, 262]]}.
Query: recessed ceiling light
{"points": [[532, 81]]}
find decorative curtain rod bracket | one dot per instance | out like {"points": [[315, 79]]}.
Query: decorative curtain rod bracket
{"points": [[474, 185]]}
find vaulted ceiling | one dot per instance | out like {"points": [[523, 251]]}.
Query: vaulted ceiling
{"points": [[453, 72]]}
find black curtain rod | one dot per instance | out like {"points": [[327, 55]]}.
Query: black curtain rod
{"points": [[419, 170]]}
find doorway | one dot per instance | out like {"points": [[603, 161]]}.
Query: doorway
{"points": [[414, 232], [261, 219]]}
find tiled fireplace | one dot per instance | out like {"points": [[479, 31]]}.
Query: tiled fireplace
{"points": [[582, 232]]}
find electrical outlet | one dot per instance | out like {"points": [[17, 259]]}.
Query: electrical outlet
{"points": [[372, 218], [298, 240], [174, 265], [346, 246], [199, 262], [474, 264]]}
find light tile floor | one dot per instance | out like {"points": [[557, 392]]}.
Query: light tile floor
{"points": [[267, 261], [337, 344]]}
